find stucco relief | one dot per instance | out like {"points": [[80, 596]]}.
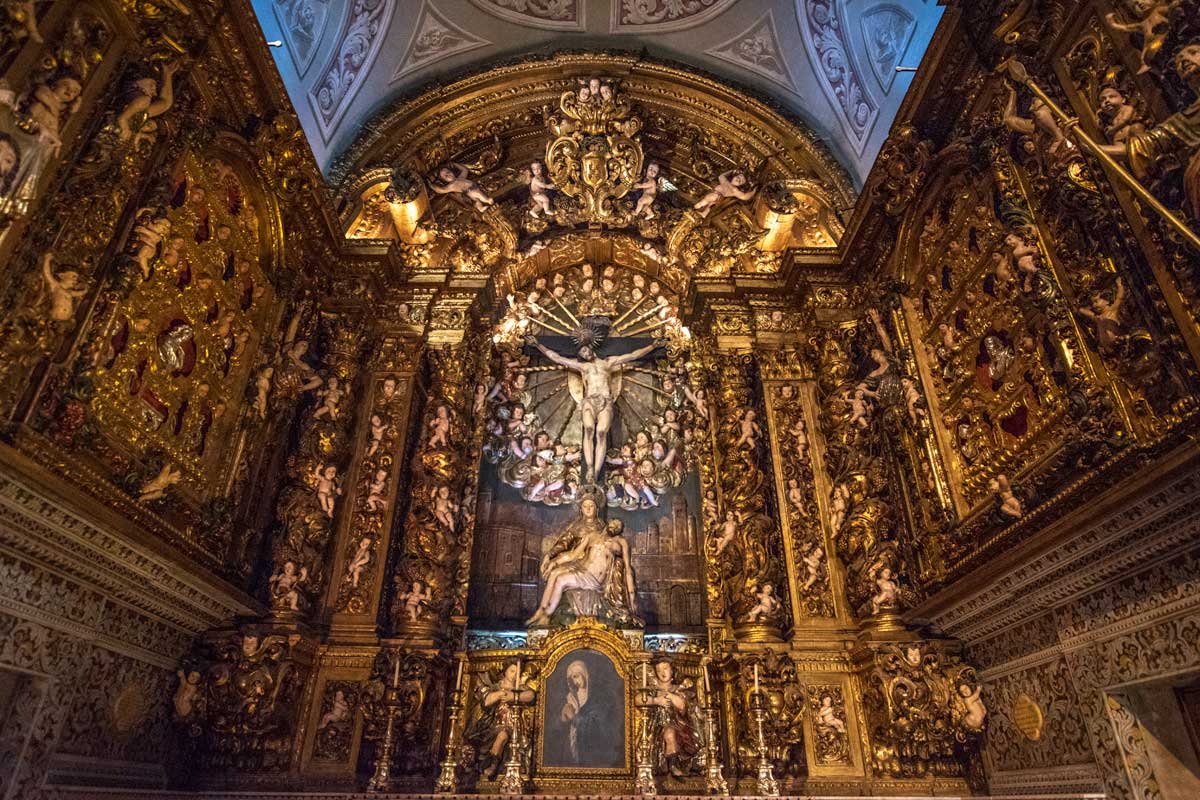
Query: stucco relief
{"points": [[887, 31], [643, 16], [828, 48], [553, 15], [302, 24], [350, 61], [434, 38], [757, 49]]}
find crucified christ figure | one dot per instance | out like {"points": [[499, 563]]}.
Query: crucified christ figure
{"points": [[601, 386]]}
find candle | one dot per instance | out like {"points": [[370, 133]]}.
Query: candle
{"points": [[518, 686], [458, 680], [756, 678], [707, 685], [644, 677], [396, 672]]}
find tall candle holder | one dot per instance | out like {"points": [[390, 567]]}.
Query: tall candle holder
{"points": [[767, 786], [447, 782], [512, 782], [644, 783], [382, 776], [714, 780]]}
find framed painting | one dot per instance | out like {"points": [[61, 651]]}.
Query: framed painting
{"points": [[584, 710]]}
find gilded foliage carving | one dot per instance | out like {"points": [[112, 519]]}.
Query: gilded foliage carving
{"points": [[237, 699], [747, 548], [307, 505], [433, 568], [923, 710], [792, 429], [173, 357]]}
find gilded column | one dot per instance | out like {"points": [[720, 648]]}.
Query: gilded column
{"points": [[747, 552], [375, 486], [430, 572], [307, 507]]}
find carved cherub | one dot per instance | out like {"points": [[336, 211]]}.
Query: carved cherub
{"points": [[325, 480], [733, 183], [1010, 504], [976, 714], [827, 716], [795, 496], [540, 186], [1105, 316], [813, 563], [362, 557], [1043, 121], [839, 503], [698, 399], [1119, 119], [444, 508], [1153, 23], [416, 599], [49, 104], [285, 585], [750, 430], [63, 291], [1023, 251], [185, 693], [151, 228], [376, 491], [455, 180], [149, 98], [912, 400], [768, 604], [729, 531], [331, 396], [262, 389], [860, 410], [156, 487], [800, 437], [439, 428], [887, 593], [378, 429], [650, 185], [339, 711]]}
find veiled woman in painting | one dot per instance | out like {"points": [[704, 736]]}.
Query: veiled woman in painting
{"points": [[591, 562]]}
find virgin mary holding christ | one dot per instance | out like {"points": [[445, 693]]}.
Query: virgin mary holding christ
{"points": [[590, 567]]}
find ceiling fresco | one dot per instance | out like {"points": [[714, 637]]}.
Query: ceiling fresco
{"points": [[830, 63]]}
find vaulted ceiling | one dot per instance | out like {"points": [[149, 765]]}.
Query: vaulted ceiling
{"points": [[830, 63]]}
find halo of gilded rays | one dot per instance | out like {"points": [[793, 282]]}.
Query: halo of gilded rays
{"points": [[534, 424]]}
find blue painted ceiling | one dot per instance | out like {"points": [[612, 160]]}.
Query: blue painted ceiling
{"points": [[832, 63]]}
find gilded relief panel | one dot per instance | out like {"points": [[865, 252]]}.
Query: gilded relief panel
{"points": [[174, 359], [996, 366]]}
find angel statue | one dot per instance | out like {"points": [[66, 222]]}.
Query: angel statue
{"points": [[454, 179], [650, 186], [540, 187], [589, 565], [733, 183], [595, 385], [492, 731]]}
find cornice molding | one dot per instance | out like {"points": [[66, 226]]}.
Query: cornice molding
{"points": [[42, 526]]}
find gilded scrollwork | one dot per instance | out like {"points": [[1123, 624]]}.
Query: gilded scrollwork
{"points": [[793, 450], [243, 714], [923, 709], [746, 545], [439, 523], [827, 705]]}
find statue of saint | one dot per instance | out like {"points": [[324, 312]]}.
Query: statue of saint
{"points": [[589, 566], [595, 384]]}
